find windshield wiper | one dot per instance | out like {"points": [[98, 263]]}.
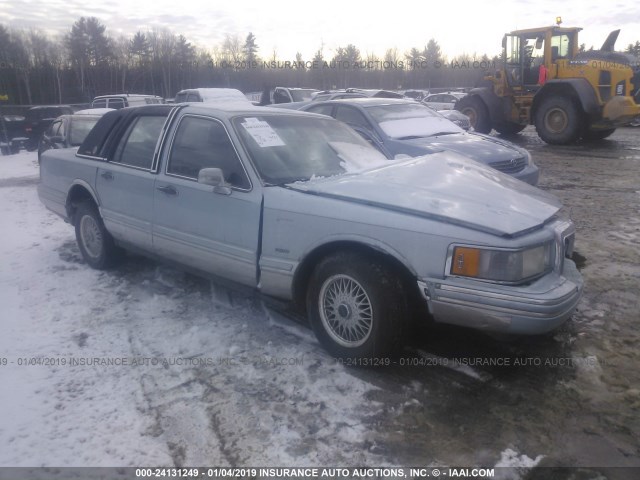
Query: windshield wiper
{"points": [[441, 133], [411, 137], [285, 181]]}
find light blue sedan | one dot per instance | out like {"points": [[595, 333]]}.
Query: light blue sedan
{"points": [[300, 207]]}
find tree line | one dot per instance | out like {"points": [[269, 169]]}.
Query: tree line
{"points": [[73, 68], [87, 61]]}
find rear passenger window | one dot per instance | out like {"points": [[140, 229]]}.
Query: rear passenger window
{"points": [[53, 129], [101, 103], [202, 143], [138, 145]]}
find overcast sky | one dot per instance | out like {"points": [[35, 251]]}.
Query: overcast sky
{"points": [[460, 26]]}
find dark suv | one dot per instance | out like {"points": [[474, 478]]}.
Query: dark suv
{"points": [[37, 119]]}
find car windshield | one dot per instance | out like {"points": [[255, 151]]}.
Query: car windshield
{"points": [[404, 121], [288, 148], [301, 95], [80, 127]]}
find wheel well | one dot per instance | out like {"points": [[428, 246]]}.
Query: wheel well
{"points": [[305, 270], [490, 100], [76, 195]]}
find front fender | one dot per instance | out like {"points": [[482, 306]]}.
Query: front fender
{"points": [[334, 243]]}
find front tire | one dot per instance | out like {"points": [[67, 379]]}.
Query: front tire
{"points": [[95, 242], [477, 111], [558, 120], [356, 306]]}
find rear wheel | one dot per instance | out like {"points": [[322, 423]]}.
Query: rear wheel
{"points": [[598, 134], [95, 242], [356, 306], [474, 108], [558, 120]]}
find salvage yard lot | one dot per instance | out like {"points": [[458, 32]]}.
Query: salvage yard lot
{"points": [[145, 364]]}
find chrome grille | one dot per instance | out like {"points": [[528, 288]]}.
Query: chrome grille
{"points": [[510, 166]]}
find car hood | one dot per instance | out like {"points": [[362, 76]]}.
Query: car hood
{"points": [[447, 187], [481, 148]]}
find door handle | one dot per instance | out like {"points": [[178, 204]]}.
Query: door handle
{"points": [[168, 189], [107, 175]]}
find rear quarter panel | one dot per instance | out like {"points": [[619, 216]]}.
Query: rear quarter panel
{"points": [[60, 169]]}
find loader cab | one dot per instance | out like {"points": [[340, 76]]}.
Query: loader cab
{"points": [[526, 51]]}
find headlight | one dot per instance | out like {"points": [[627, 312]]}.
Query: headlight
{"points": [[500, 265]]}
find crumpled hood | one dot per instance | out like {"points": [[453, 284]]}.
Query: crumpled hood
{"points": [[448, 187], [479, 147]]}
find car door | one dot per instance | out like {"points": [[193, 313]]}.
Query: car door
{"points": [[125, 184], [214, 229]]}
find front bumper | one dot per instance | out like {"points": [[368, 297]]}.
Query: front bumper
{"points": [[620, 110], [533, 309]]}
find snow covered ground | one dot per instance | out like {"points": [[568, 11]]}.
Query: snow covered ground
{"points": [[148, 365]]}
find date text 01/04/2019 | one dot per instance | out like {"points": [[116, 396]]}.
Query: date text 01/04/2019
{"points": [[315, 472]]}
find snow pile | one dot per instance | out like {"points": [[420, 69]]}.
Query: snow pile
{"points": [[512, 466]]}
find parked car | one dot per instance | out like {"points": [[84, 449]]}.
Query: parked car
{"points": [[416, 94], [68, 131], [406, 127], [336, 95], [122, 100], [321, 96], [211, 95], [302, 208], [38, 119], [443, 101], [376, 93], [286, 95], [12, 134], [460, 119]]}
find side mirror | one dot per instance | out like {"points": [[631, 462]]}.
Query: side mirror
{"points": [[211, 176], [215, 178]]}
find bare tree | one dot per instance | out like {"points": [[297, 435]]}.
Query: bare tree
{"points": [[232, 48]]}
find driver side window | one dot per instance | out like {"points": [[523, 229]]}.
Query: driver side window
{"points": [[204, 143]]}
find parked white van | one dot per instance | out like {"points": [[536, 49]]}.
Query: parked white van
{"points": [[121, 100]]}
